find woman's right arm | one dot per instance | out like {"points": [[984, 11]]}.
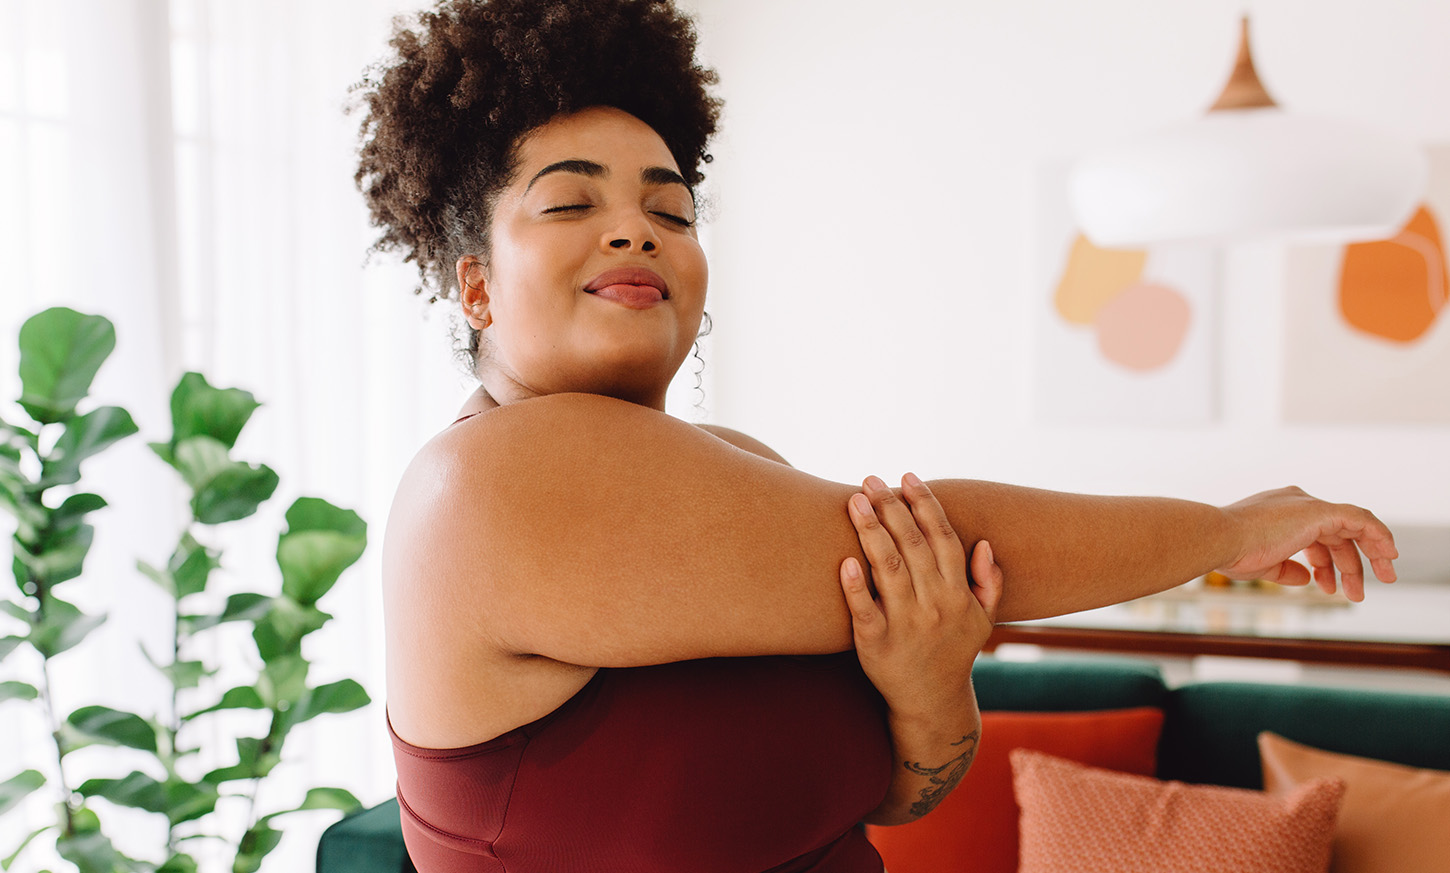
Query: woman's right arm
{"points": [[600, 533]]}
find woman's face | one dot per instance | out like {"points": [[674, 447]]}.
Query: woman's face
{"points": [[596, 280]]}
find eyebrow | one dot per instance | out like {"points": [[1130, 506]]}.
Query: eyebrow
{"points": [[649, 175]]}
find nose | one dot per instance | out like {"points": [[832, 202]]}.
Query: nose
{"points": [[633, 232]]}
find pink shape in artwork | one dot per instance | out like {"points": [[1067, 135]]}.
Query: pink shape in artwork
{"points": [[1143, 327]]}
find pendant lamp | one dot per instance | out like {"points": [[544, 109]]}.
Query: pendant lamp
{"points": [[1249, 171]]}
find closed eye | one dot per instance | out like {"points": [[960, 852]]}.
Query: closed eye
{"points": [[573, 207], [675, 219]]}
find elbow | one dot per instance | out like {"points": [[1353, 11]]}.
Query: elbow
{"points": [[891, 817]]}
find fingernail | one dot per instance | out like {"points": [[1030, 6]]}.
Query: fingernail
{"points": [[862, 505], [874, 483], [988, 547], [912, 480], [853, 568]]}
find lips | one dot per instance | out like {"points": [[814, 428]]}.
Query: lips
{"points": [[635, 287]]}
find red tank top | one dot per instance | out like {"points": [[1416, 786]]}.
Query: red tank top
{"points": [[727, 765]]}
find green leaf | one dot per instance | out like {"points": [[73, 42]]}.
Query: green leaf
{"points": [[335, 697], [9, 860], [279, 633], [17, 691], [16, 437], [322, 798], [199, 459], [62, 627], [161, 577], [22, 575], [59, 556], [92, 852], [240, 697], [181, 674], [31, 521], [314, 513], [137, 790], [165, 451], [321, 541], [255, 759], [256, 843], [283, 681], [178, 863], [198, 408], [234, 493], [311, 562], [15, 610], [73, 509], [14, 484], [60, 352], [240, 607], [83, 437], [8, 645], [178, 800], [15, 789], [191, 565], [101, 724]]}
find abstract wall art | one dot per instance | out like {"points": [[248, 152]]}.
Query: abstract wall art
{"points": [[1368, 324], [1124, 337]]}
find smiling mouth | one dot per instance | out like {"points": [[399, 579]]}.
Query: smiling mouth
{"points": [[632, 296], [634, 287]]}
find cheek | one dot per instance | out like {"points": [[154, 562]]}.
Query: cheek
{"points": [[696, 271]]}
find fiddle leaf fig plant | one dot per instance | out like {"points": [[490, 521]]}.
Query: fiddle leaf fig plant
{"points": [[61, 351]]}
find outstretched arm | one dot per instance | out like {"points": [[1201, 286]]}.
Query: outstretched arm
{"points": [[600, 533]]}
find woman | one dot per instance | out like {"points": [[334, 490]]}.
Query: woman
{"points": [[620, 642]]}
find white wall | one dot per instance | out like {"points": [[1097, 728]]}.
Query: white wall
{"points": [[870, 238]]}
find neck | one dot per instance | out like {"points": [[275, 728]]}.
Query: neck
{"points": [[493, 393]]}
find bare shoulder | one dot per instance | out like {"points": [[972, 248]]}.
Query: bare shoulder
{"points": [[744, 441], [588, 532]]}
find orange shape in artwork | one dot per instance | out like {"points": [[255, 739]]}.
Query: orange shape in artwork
{"points": [[1143, 328], [1092, 277], [1396, 288]]}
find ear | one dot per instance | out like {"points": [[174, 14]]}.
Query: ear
{"points": [[473, 291]]}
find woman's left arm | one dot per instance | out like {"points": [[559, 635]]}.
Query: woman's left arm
{"points": [[918, 637]]}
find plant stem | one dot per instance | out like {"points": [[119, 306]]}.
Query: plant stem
{"points": [[59, 745]]}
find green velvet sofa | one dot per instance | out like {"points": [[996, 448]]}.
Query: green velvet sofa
{"points": [[1210, 733]]}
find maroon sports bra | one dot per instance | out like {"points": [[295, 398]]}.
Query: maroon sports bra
{"points": [[726, 765]]}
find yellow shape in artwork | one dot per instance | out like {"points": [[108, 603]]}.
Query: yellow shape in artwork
{"points": [[1396, 288], [1093, 276]]}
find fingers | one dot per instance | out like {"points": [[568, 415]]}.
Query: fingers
{"points": [[1321, 565], [868, 622], [888, 568], [1287, 573], [1339, 550], [1378, 544], [986, 579], [900, 521], [931, 519]]}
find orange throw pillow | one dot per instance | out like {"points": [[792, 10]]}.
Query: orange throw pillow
{"points": [[1394, 819], [975, 827], [1078, 819]]}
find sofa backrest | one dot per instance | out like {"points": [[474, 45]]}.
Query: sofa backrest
{"points": [[1067, 685], [1210, 731]]}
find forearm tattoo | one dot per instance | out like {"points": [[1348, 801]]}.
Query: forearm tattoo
{"points": [[944, 778]]}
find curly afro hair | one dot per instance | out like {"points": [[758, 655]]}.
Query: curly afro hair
{"points": [[471, 78]]}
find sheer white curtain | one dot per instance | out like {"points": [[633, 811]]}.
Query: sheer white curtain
{"points": [[185, 168]]}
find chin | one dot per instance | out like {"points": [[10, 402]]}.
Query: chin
{"points": [[631, 375]]}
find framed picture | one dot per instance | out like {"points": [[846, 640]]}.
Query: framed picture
{"points": [[1368, 324]]}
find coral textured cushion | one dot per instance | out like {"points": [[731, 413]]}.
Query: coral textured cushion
{"points": [[1078, 819], [1394, 818], [975, 827]]}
